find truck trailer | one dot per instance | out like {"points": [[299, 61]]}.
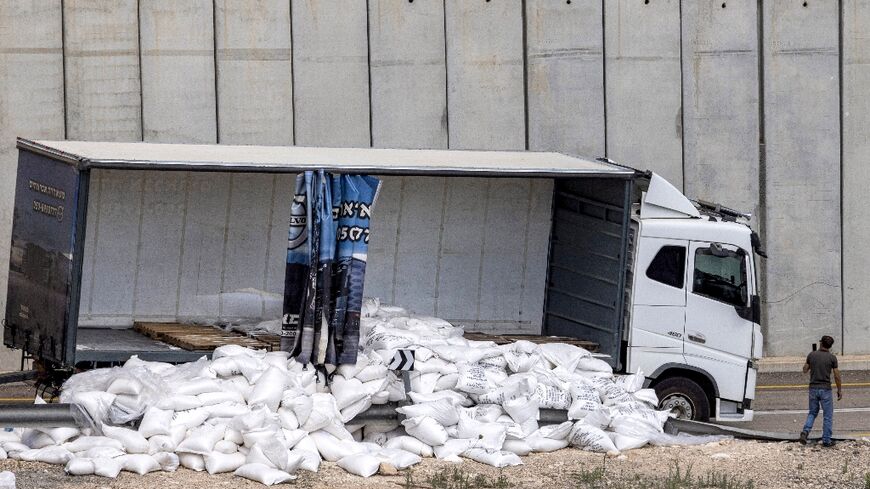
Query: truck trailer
{"points": [[664, 286]]}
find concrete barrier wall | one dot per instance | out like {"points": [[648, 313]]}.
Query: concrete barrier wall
{"points": [[855, 112], [802, 174], [692, 90]]}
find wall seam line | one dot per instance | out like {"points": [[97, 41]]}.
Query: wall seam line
{"points": [[483, 245], [682, 105], [398, 238], [762, 156], [139, 54], [603, 73], [369, 70], [292, 78], [214, 34], [440, 248], [841, 42], [225, 244], [63, 67], [138, 245], [446, 76], [269, 229], [182, 242], [524, 6]]}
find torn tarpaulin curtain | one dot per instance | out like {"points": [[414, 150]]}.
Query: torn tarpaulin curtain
{"points": [[327, 249]]}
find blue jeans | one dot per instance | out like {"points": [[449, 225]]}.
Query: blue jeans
{"points": [[825, 399]]}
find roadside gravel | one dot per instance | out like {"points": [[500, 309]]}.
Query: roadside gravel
{"points": [[767, 465]]}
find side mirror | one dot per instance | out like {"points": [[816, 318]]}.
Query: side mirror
{"points": [[752, 312]]}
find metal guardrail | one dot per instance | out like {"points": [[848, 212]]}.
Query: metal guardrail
{"points": [[43, 416]]}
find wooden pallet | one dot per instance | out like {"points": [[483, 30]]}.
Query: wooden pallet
{"points": [[273, 340], [196, 337], [537, 339]]}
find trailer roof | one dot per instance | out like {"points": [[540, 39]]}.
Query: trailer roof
{"points": [[292, 159]]}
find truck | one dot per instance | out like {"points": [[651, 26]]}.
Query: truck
{"points": [[663, 286]]}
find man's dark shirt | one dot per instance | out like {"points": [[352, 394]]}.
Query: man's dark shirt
{"points": [[821, 363]]}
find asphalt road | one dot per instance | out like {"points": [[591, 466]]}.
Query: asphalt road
{"points": [[781, 405]]}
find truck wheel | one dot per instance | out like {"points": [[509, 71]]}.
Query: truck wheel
{"points": [[683, 397]]}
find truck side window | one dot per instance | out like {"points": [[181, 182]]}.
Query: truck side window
{"points": [[669, 266], [721, 275]]}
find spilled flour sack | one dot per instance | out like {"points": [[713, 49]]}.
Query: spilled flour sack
{"points": [[263, 416]]}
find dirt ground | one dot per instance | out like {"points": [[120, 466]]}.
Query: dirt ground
{"points": [[766, 465]]}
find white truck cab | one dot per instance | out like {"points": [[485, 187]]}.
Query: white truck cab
{"points": [[694, 327]]}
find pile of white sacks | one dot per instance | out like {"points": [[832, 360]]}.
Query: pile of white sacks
{"points": [[264, 416]]}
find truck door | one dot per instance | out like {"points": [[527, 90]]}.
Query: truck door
{"points": [[718, 339], [658, 314]]}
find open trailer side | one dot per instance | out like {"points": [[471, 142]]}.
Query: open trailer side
{"points": [[584, 277]]}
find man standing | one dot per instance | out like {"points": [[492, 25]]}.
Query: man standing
{"points": [[820, 364]]}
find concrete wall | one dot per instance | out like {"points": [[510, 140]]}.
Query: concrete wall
{"points": [[760, 108]]}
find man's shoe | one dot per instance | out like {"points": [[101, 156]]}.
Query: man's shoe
{"points": [[829, 444], [803, 438]]}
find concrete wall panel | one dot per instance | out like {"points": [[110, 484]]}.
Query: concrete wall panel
{"points": [[462, 248], [31, 105], [280, 224], [802, 174], [485, 74], [117, 246], [380, 268], [536, 250], [720, 102], [503, 255], [856, 175], [207, 199], [408, 70], [642, 83], [178, 79], [247, 243], [254, 72], [565, 76], [90, 245], [160, 244], [416, 267], [330, 73], [101, 42]]}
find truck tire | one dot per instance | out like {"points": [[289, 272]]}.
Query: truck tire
{"points": [[684, 397]]}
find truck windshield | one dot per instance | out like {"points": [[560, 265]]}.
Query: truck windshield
{"points": [[721, 275]]}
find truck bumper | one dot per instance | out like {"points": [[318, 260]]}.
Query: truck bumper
{"points": [[732, 411]]}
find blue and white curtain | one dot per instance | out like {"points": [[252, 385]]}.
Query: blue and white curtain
{"points": [[327, 249]]}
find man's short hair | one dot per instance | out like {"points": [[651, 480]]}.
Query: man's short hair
{"points": [[827, 341]]}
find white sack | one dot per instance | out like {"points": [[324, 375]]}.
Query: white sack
{"points": [[426, 430], [332, 449], [79, 466], [84, 443], [192, 461], [269, 388], [50, 455], [107, 467], [410, 444], [202, 440], [443, 411], [590, 438], [139, 463], [398, 458], [263, 474], [132, 440], [362, 464], [216, 463], [496, 458], [168, 462], [155, 422]]}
